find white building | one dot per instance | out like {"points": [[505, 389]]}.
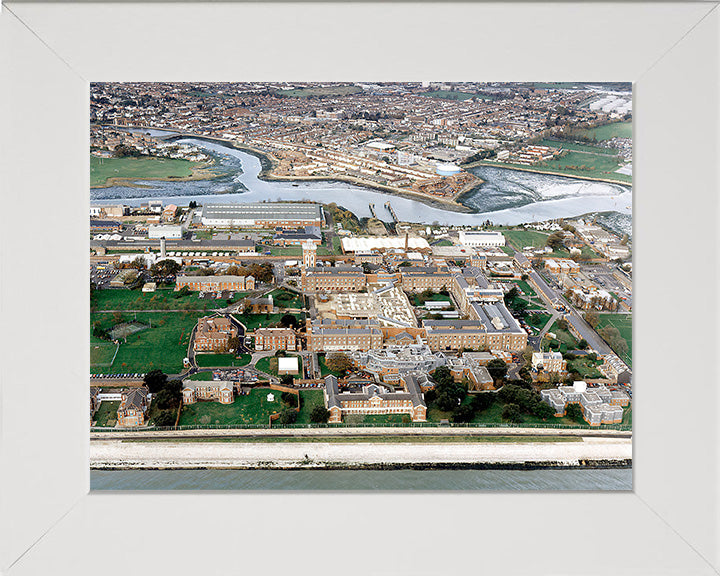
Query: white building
{"points": [[483, 239], [157, 231]]}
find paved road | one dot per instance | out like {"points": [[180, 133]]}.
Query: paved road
{"points": [[550, 295]]}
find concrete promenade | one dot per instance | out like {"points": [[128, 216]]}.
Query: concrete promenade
{"points": [[242, 455]]}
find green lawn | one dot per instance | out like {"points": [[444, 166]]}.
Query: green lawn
{"points": [[321, 91], [106, 412], [251, 409], [538, 320], [201, 376], [286, 299], [309, 399], [526, 288], [566, 340], [623, 322], [286, 251], [521, 238], [578, 147], [145, 168], [268, 364], [324, 370], [493, 415], [614, 130], [221, 360], [163, 345], [161, 299], [376, 419], [101, 352], [585, 367]]}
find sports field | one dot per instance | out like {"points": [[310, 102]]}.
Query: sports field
{"points": [[146, 168], [623, 322], [162, 345], [101, 352]]}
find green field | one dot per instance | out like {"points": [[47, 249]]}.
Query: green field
{"points": [[251, 409], [575, 146], [623, 322], [456, 95], [101, 352], [574, 164], [221, 360], [521, 238], [321, 91], [608, 131], [162, 345], [162, 299], [146, 168], [106, 414]]}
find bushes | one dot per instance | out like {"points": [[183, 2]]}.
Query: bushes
{"points": [[319, 415]]}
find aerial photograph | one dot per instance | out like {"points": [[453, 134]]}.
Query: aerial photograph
{"points": [[361, 286]]}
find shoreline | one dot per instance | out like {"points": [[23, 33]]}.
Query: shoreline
{"points": [[485, 164], [590, 452], [267, 163]]}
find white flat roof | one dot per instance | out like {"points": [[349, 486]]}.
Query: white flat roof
{"points": [[287, 363]]}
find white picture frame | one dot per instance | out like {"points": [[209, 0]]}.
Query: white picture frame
{"points": [[50, 524]]}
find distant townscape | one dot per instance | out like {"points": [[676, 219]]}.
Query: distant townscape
{"points": [[273, 314]]}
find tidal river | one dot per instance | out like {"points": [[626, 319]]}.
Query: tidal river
{"points": [[506, 196]]}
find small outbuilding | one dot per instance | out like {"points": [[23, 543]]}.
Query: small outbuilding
{"points": [[288, 365]]}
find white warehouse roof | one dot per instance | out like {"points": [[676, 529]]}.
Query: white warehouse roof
{"points": [[382, 242]]}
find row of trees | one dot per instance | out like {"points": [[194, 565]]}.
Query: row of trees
{"points": [[167, 396]]}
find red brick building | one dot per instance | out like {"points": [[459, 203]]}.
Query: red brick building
{"points": [[213, 334], [275, 339]]}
